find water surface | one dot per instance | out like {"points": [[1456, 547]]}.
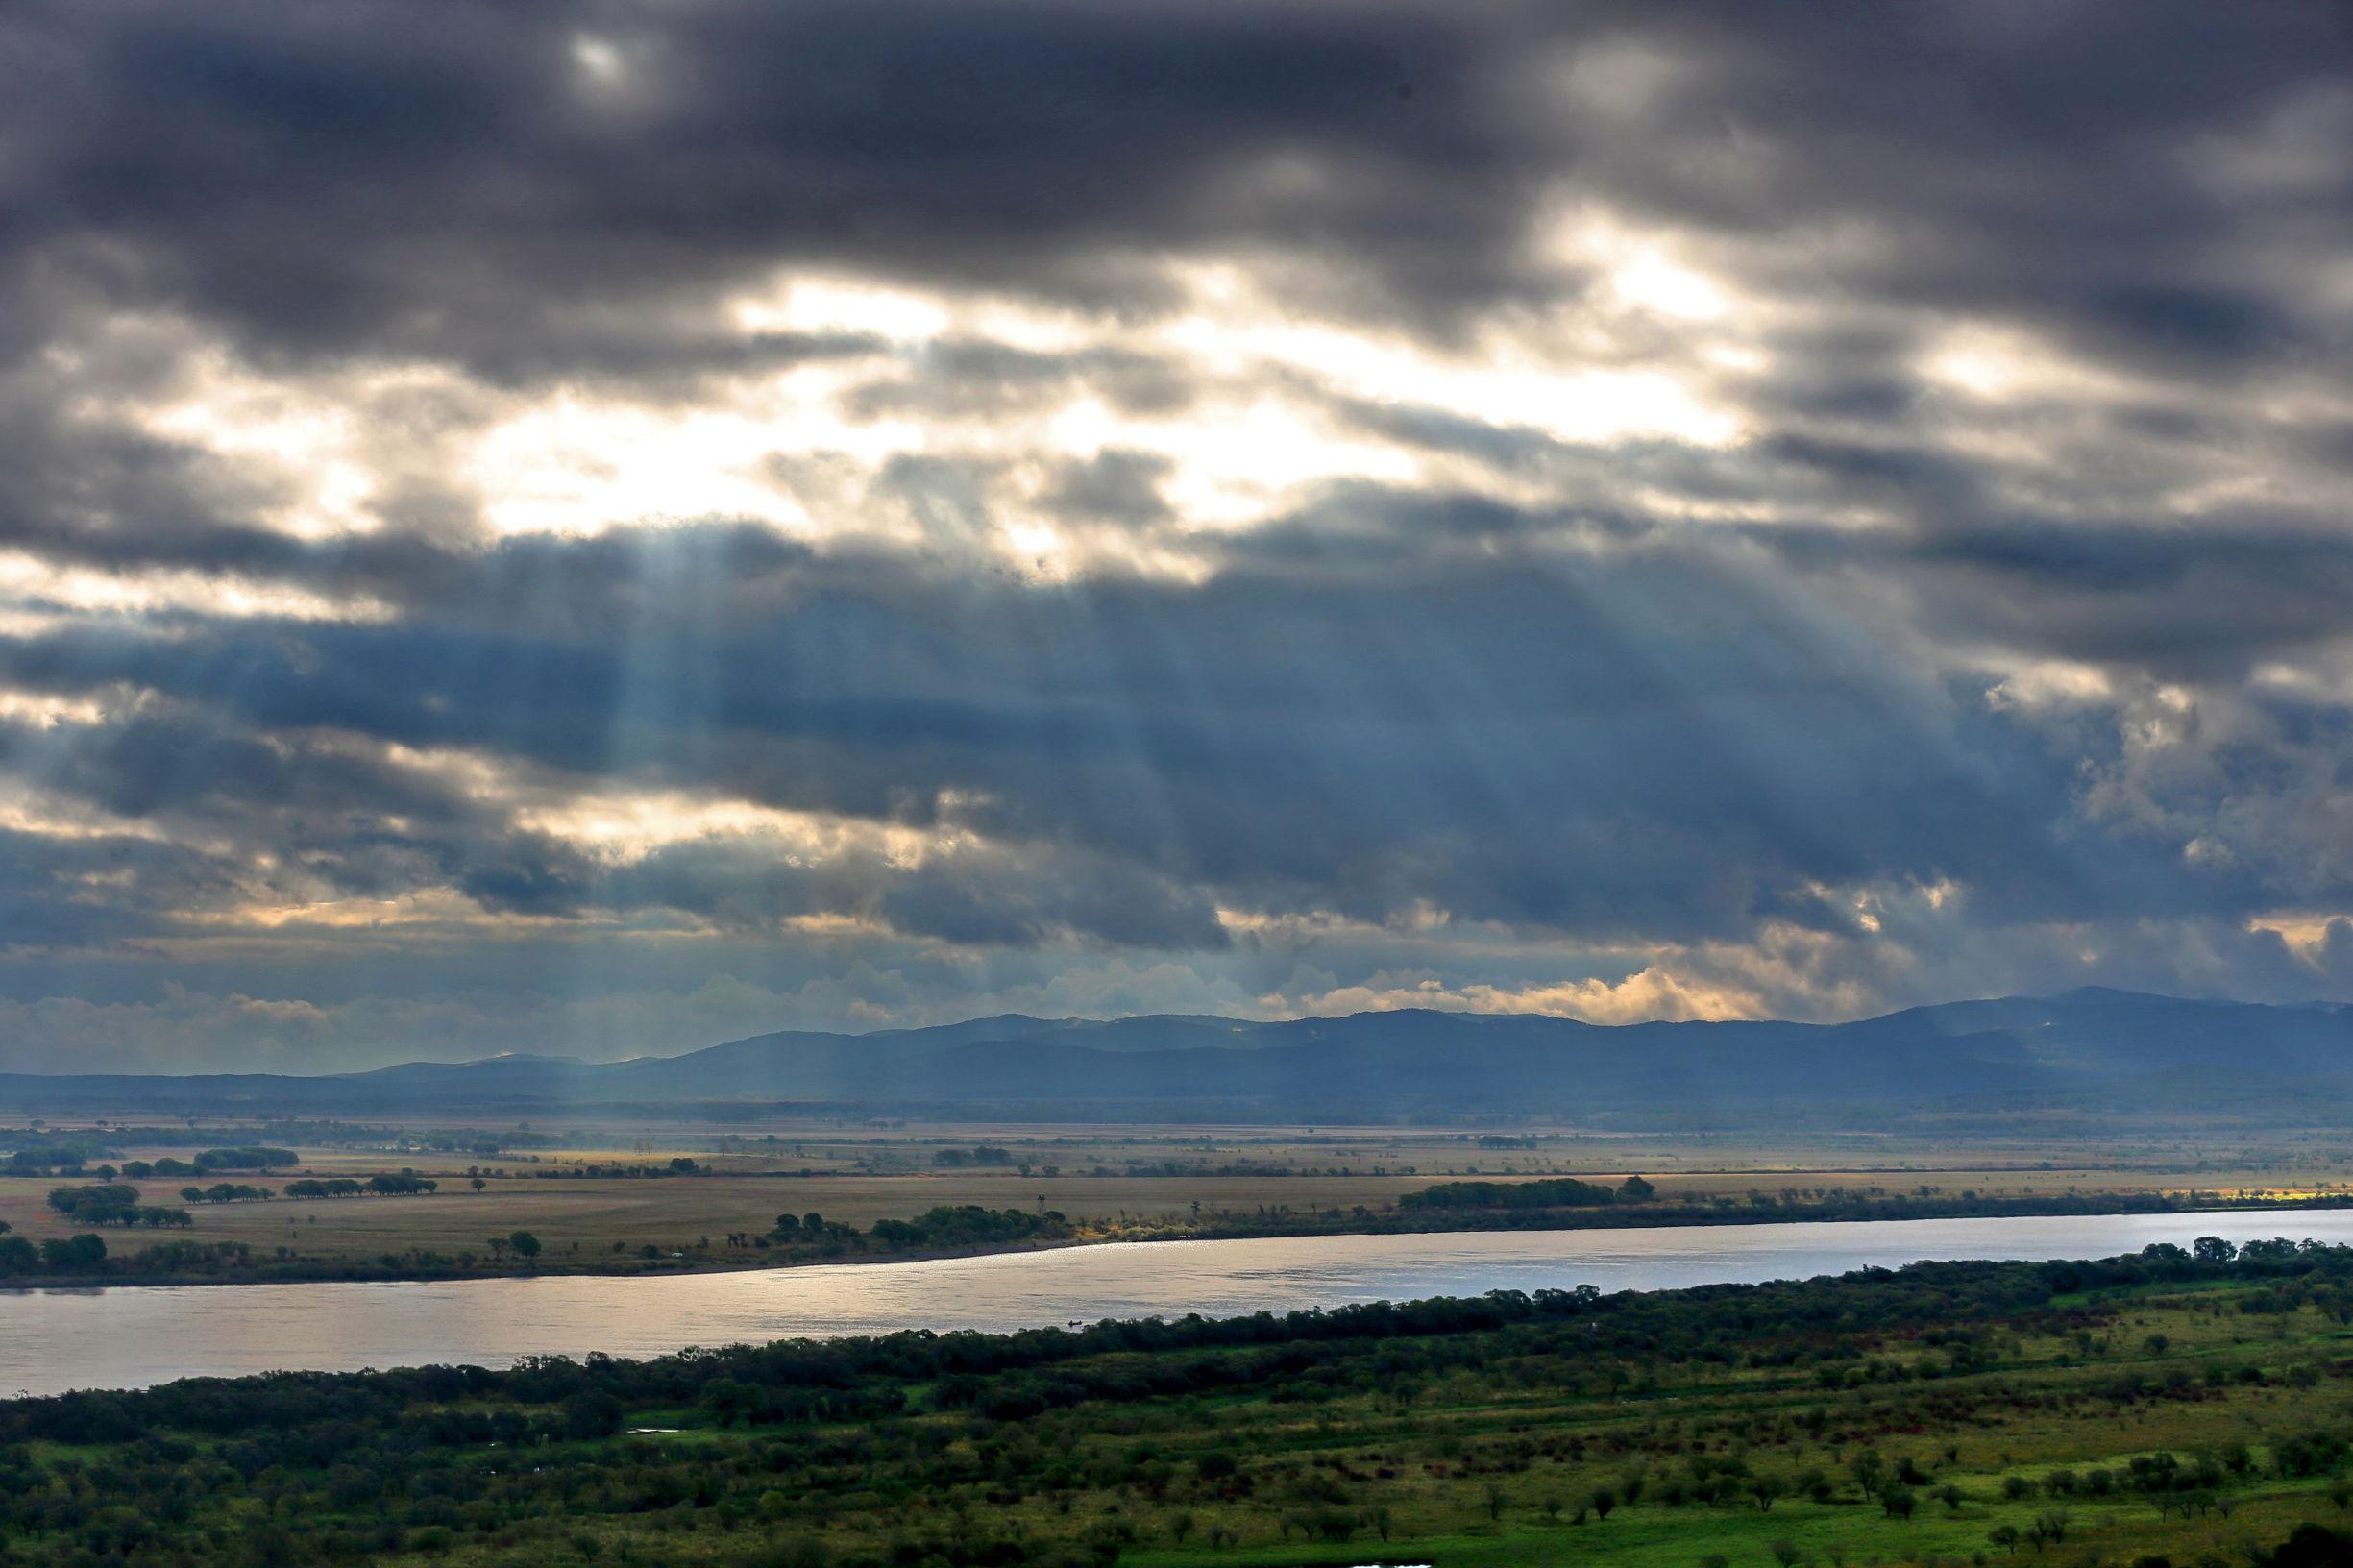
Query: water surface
{"points": [[121, 1338]]}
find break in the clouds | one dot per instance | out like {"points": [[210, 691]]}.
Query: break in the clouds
{"points": [[603, 526]]}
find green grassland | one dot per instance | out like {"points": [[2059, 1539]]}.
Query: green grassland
{"points": [[2158, 1407]]}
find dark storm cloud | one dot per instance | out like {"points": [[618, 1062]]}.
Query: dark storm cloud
{"points": [[147, 764], [337, 819], [1645, 687], [90, 492], [1535, 740], [2158, 596], [2030, 159], [341, 179], [967, 378], [66, 893], [1112, 486], [337, 182]]}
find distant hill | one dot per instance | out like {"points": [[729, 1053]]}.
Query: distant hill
{"points": [[2088, 1050]]}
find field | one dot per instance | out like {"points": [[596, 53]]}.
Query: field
{"points": [[630, 1213], [2156, 1408]]}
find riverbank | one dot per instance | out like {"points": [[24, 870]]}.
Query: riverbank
{"points": [[857, 1249], [134, 1338], [274, 1274]]}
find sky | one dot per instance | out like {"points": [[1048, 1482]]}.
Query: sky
{"points": [[606, 528]]}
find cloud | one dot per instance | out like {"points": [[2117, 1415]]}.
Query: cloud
{"points": [[1645, 995], [321, 181], [923, 509]]}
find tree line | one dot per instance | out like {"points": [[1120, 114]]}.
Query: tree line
{"points": [[1552, 1192]]}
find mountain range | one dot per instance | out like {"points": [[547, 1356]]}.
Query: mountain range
{"points": [[2092, 1049]]}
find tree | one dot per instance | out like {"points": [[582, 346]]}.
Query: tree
{"points": [[1603, 1502], [591, 1413], [1951, 1495], [497, 1247], [478, 1184], [525, 1245], [111, 1203], [74, 1252]]}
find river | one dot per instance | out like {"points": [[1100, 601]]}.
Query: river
{"points": [[134, 1337]]}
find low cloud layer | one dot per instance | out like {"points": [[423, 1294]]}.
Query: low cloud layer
{"points": [[601, 528]]}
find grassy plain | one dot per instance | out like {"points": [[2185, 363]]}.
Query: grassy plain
{"points": [[1101, 1177]]}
